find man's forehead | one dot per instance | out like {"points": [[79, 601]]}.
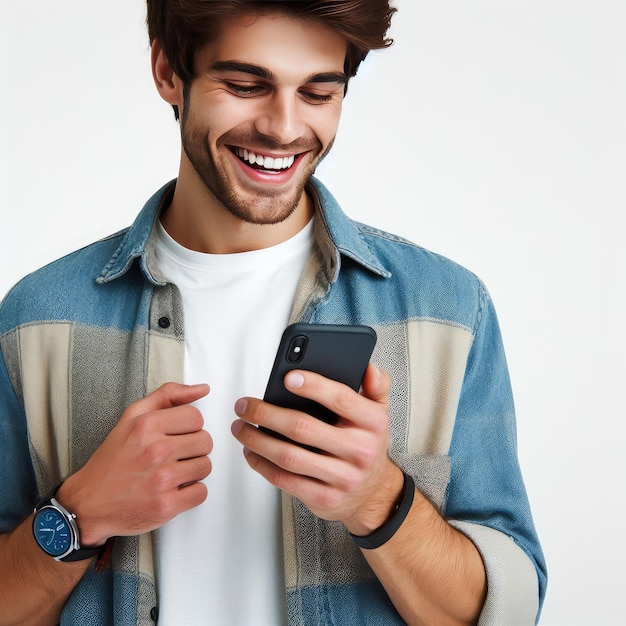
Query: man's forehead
{"points": [[283, 44]]}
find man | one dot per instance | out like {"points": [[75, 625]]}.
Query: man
{"points": [[122, 365]]}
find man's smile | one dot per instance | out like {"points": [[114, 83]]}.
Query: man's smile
{"points": [[263, 162]]}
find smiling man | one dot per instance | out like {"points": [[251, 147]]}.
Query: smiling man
{"points": [[124, 364]]}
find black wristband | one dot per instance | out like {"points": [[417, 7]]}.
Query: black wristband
{"points": [[385, 532]]}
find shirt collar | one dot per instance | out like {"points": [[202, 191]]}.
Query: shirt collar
{"points": [[335, 234]]}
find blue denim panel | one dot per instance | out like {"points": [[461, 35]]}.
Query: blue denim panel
{"points": [[18, 489], [49, 294], [109, 599], [91, 602], [431, 288], [362, 604]]}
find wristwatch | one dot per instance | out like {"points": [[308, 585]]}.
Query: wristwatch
{"points": [[56, 531]]}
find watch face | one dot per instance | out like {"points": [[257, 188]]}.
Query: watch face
{"points": [[52, 531]]}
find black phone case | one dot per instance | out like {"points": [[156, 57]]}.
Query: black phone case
{"points": [[340, 353]]}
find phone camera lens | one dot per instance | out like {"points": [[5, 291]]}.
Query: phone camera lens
{"points": [[296, 349]]}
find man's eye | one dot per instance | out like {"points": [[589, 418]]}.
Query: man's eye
{"points": [[317, 98], [244, 90]]}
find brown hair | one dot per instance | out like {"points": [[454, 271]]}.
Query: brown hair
{"points": [[185, 26]]}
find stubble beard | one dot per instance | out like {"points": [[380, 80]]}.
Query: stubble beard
{"points": [[270, 207]]}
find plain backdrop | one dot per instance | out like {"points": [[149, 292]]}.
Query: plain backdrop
{"points": [[492, 132]]}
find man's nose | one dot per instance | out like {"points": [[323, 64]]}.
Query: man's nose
{"points": [[281, 119]]}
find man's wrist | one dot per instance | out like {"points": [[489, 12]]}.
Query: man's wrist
{"points": [[385, 532], [374, 513], [68, 496]]}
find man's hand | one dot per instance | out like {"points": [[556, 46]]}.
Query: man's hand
{"points": [[432, 573], [351, 479], [146, 471]]}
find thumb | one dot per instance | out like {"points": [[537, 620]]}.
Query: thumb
{"points": [[165, 397], [376, 384]]}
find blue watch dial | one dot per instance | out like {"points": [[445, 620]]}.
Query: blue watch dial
{"points": [[52, 531]]}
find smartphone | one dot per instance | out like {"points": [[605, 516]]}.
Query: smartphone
{"points": [[340, 353]]}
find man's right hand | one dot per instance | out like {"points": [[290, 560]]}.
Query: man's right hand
{"points": [[147, 471]]}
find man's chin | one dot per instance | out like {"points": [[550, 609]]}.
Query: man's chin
{"points": [[263, 210], [258, 203]]}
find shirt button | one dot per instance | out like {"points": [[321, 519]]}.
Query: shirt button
{"points": [[164, 322], [154, 614]]}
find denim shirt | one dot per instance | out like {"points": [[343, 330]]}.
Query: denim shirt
{"points": [[87, 335]]}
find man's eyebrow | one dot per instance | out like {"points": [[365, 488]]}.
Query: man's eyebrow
{"points": [[328, 77], [263, 72], [245, 68]]}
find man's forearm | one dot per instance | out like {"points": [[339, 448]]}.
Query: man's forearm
{"points": [[33, 586], [432, 573]]}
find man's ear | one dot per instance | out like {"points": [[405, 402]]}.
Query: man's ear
{"points": [[168, 84]]}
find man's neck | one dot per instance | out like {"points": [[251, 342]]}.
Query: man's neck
{"points": [[197, 221]]}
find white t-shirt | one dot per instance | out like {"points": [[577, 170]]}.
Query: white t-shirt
{"points": [[221, 563]]}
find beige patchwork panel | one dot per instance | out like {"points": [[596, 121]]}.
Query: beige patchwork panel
{"points": [[45, 363], [437, 359], [165, 362], [426, 361], [107, 375], [318, 552], [290, 547], [312, 286]]}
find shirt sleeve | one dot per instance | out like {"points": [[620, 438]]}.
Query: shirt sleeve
{"points": [[486, 498]]}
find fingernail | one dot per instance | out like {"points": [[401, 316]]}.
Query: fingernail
{"points": [[294, 380], [240, 406], [236, 427]]}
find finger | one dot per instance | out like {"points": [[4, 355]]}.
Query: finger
{"points": [[284, 456], [180, 447], [376, 384], [295, 425], [192, 495], [339, 398], [175, 420], [320, 497], [352, 444], [166, 396], [177, 475], [193, 445], [186, 497], [193, 471]]}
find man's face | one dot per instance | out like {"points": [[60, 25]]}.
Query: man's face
{"points": [[262, 111]]}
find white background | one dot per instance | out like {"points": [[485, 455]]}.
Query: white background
{"points": [[493, 132]]}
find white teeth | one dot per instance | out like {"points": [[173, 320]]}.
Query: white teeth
{"points": [[266, 162]]}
